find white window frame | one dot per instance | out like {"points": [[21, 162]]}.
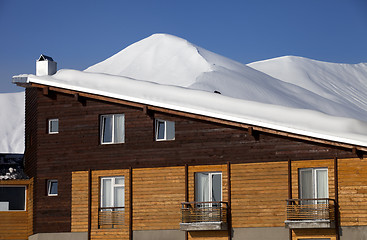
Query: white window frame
{"points": [[165, 138], [113, 185], [50, 131], [102, 120], [49, 184], [25, 197], [210, 174], [314, 181]]}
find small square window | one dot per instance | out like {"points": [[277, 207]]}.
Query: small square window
{"points": [[52, 188], [164, 130], [53, 126]]}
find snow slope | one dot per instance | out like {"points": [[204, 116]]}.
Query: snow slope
{"points": [[167, 71], [166, 59], [344, 84], [12, 122]]}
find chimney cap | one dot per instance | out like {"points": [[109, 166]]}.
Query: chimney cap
{"points": [[45, 58]]}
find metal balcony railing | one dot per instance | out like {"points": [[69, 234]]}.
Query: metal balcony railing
{"points": [[195, 212], [111, 217], [310, 209]]}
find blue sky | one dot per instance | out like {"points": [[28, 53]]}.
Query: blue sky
{"points": [[78, 34]]}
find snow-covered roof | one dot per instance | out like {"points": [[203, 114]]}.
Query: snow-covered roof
{"points": [[291, 94], [12, 117]]}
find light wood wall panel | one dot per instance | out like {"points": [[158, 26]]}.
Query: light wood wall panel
{"points": [[13, 225], [18, 224], [205, 235], [80, 196], [327, 163], [30, 207], [259, 191], [79, 201], [299, 234], [157, 197], [113, 233], [352, 177]]}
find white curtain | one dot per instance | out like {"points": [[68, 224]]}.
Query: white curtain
{"points": [[119, 200], [106, 194], [170, 130], [202, 187], [322, 184], [119, 131], [306, 184]]}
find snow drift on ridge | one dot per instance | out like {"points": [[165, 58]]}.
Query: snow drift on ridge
{"points": [[12, 122], [169, 60]]}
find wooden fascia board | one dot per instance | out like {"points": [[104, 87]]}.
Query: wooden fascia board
{"points": [[145, 107], [16, 182]]}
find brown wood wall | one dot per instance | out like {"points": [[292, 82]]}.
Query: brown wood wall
{"points": [[325, 163], [259, 191], [157, 197], [77, 148], [17, 224], [353, 191], [116, 233], [79, 201], [299, 234]]}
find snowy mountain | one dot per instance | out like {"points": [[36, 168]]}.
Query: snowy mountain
{"points": [[12, 122], [343, 84], [293, 82], [296, 95]]}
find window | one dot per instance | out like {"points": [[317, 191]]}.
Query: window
{"points": [[164, 130], [52, 188], [112, 128], [313, 183], [208, 187], [112, 193], [12, 198], [53, 126]]}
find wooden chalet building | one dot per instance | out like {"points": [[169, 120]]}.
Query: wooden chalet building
{"points": [[106, 167]]}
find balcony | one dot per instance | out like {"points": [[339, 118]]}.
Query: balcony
{"points": [[310, 213], [111, 217], [198, 216]]}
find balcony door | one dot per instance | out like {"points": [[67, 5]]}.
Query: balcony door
{"points": [[313, 183], [208, 188]]}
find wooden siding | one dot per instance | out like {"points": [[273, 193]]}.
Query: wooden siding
{"points": [[205, 235], [18, 224], [79, 201], [112, 233], [157, 197], [352, 175], [259, 191], [77, 148], [299, 234]]}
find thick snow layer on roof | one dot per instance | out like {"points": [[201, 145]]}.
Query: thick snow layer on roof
{"points": [[167, 71], [12, 122]]}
